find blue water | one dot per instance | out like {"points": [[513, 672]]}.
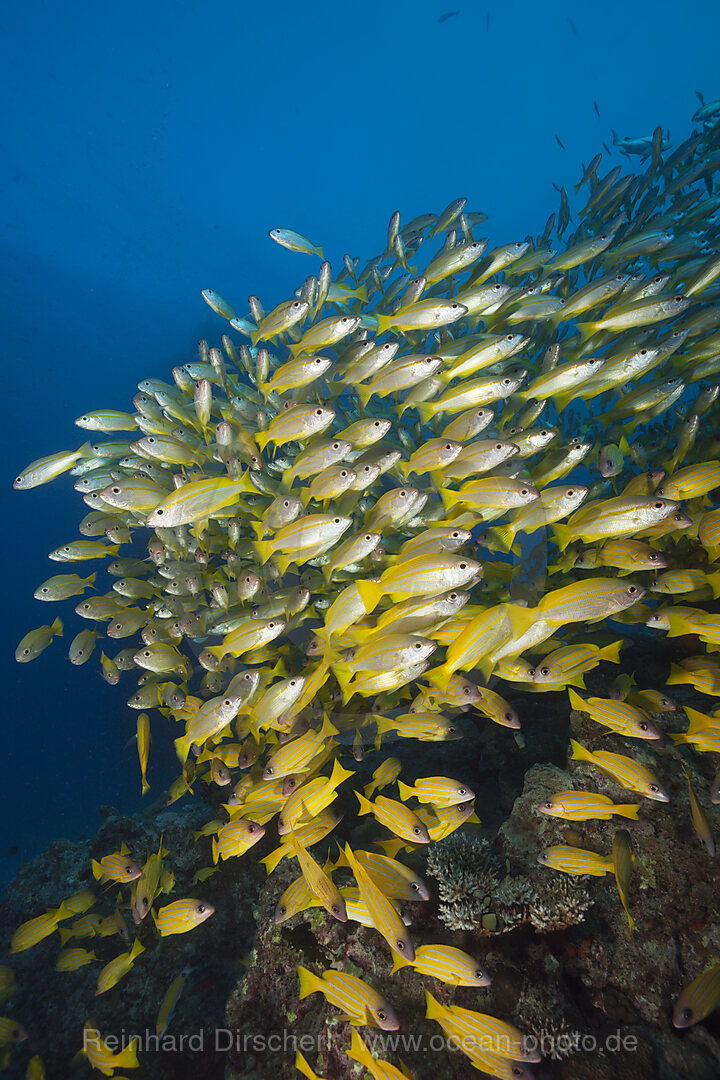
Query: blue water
{"points": [[147, 151]]}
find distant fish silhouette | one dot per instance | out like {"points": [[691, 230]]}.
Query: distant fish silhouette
{"points": [[559, 141], [447, 15], [597, 110]]}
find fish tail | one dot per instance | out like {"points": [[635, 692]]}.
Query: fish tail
{"points": [[270, 861], [302, 1066], [127, 1058], [370, 593], [309, 983], [426, 411], [369, 789], [97, 869], [563, 535], [137, 947], [65, 936], [263, 550], [585, 329], [399, 962], [57, 627], [486, 665], [449, 498], [281, 561], [628, 810], [360, 1052], [611, 653], [504, 535], [579, 753], [521, 619], [677, 675], [439, 676], [215, 852], [406, 792], [182, 749], [145, 787], [364, 393], [434, 1008], [262, 438], [576, 701], [366, 807]]}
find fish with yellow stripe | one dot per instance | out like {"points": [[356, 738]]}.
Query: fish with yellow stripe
{"points": [[113, 972], [383, 913], [585, 806], [446, 963], [359, 1003], [628, 773], [616, 715], [181, 916]]}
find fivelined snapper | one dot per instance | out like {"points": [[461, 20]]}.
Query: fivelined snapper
{"points": [[355, 998], [616, 715], [585, 805], [628, 772]]}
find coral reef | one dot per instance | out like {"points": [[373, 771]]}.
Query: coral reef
{"points": [[476, 895]]}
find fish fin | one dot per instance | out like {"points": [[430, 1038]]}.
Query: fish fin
{"points": [[406, 792], [97, 869], [628, 810], [215, 852], [281, 561], [65, 936], [439, 676], [57, 627], [577, 680], [262, 439], [138, 946], [391, 847]]}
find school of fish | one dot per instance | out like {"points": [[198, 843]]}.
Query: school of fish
{"points": [[445, 467]]}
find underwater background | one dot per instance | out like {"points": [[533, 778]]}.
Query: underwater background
{"points": [[147, 152]]}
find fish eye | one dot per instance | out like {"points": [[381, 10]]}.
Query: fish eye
{"points": [[251, 828], [462, 791], [150, 439], [643, 352], [632, 589], [643, 726], [200, 909], [282, 910], [506, 382], [318, 412], [462, 565], [451, 729], [547, 804], [658, 506], [654, 787], [453, 596], [381, 1014], [604, 236], [336, 521], [545, 671], [570, 491], [687, 1014], [677, 299], [400, 946], [508, 716], [524, 491], [227, 701], [417, 830]]}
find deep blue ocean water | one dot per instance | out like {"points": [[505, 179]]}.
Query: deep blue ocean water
{"points": [[148, 149]]}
